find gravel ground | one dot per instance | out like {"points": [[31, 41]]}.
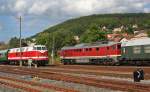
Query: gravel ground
{"points": [[4, 88], [75, 86], [9, 89]]}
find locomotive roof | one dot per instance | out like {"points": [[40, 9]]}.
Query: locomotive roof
{"points": [[30, 46], [137, 42], [89, 45]]}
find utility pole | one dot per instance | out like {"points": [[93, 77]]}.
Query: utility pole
{"points": [[20, 62], [53, 47]]}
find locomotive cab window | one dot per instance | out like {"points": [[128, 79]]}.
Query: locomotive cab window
{"points": [[44, 48], [17, 50], [38, 48], [22, 49], [34, 48]]}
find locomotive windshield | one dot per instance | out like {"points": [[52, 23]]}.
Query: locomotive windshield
{"points": [[40, 48]]}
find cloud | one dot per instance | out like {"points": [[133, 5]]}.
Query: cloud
{"points": [[42, 7], [61, 8], [39, 14], [20, 5]]}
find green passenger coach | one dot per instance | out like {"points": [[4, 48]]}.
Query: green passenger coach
{"points": [[136, 52], [3, 56]]}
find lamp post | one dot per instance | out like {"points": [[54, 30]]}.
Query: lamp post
{"points": [[20, 62]]}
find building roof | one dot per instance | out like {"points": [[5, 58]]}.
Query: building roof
{"points": [[89, 45], [136, 42]]}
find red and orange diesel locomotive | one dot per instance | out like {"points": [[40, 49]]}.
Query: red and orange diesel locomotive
{"points": [[38, 54], [94, 53]]}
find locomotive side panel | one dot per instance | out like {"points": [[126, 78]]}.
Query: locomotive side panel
{"points": [[93, 54]]}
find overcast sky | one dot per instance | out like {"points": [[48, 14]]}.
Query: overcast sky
{"points": [[41, 14]]}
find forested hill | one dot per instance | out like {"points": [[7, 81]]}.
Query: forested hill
{"points": [[63, 33]]}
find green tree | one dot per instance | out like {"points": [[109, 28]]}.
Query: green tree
{"points": [[3, 46], [148, 33], [15, 42], [93, 34], [129, 30]]}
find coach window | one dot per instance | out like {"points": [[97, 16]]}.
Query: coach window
{"points": [[147, 49], [90, 49], [137, 50]]}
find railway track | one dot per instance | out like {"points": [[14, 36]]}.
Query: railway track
{"points": [[30, 86], [105, 68], [120, 72], [102, 83], [23, 88]]}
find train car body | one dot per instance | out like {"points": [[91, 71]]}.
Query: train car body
{"points": [[136, 52], [96, 53], [37, 53], [3, 56]]}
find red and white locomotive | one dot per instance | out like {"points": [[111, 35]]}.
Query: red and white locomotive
{"points": [[96, 53], [38, 54]]}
